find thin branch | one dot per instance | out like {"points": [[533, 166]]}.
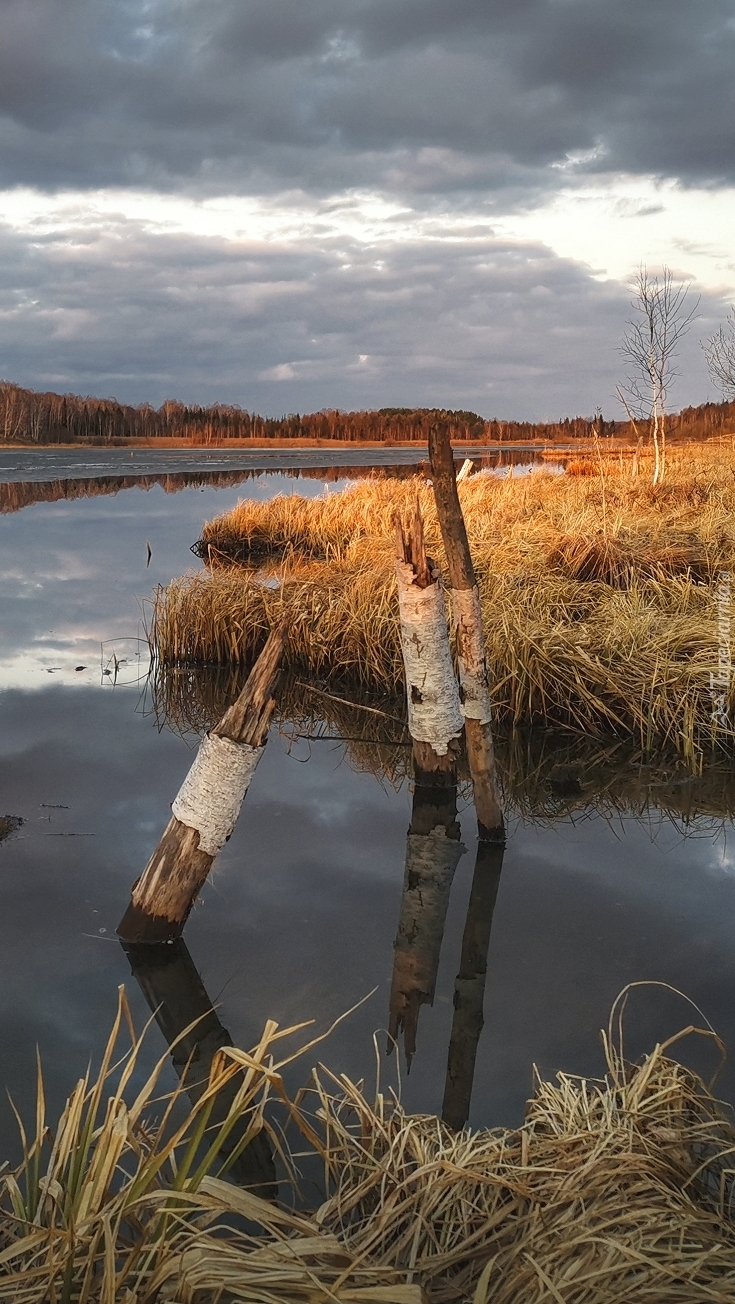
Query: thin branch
{"points": [[720, 354]]}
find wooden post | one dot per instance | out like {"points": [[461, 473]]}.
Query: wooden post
{"points": [[467, 625], [169, 980], [432, 854], [469, 988], [206, 808]]}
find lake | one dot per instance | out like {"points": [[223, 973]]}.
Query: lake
{"points": [[300, 916]]}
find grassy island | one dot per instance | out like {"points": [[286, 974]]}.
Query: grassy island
{"points": [[599, 591]]}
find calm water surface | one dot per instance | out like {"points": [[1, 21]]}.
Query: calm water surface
{"points": [[300, 917], [49, 463]]}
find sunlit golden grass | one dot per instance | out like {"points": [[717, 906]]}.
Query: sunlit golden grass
{"points": [[597, 592], [613, 1189], [518, 520], [322, 527]]}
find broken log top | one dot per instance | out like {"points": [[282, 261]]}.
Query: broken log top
{"points": [[411, 548], [248, 719], [206, 808]]}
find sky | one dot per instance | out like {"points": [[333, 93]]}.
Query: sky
{"points": [[297, 204]]}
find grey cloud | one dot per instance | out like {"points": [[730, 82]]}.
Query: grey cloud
{"points": [[330, 95], [505, 327]]}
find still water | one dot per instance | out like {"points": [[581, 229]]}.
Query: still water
{"points": [[300, 917]]}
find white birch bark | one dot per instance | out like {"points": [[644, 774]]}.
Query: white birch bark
{"points": [[434, 713], [212, 793]]}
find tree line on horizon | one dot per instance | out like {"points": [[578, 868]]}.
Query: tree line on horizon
{"points": [[29, 417]]}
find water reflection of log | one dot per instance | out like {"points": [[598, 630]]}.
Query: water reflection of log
{"points": [[432, 854], [176, 995], [469, 988]]}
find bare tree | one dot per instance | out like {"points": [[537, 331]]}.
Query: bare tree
{"points": [[663, 316], [720, 354]]}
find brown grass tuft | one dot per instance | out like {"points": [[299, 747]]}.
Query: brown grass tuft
{"points": [[618, 559], [580, 466]]}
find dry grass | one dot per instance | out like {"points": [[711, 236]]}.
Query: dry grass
{"points": [[611, 1190], [597, 593], [113, 1208], [580, 466], [322, 527]]}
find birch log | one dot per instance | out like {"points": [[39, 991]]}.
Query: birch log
{"points": [[168, 978], [206, 808], [434, 714], [470, 638]]}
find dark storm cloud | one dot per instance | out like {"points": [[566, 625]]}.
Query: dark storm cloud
{"points": [[432, 95], [502, 326]]}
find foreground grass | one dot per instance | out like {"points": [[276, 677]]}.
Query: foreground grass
{"points": [[611, 1190], [598, 592]]}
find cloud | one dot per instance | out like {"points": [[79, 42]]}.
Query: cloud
{"points": [[390, 114], [421, 95], [503, 326]]}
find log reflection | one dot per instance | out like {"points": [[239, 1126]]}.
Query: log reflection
{"points": [[169, 980], [432, 854], [469, 987]]}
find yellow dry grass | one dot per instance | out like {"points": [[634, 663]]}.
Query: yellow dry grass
{"points": [[597, 592], [612, 1190]]}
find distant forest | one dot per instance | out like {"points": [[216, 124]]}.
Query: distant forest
{"points": [[27, 417]]}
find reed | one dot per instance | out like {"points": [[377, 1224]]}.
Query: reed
{"points": [[597, 593], [612, 1189]]}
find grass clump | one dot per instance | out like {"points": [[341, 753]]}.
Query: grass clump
{"points": [[597, 593], [612, 1189]]}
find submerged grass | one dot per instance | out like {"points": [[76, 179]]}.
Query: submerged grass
{"points": [[597, 592], [612, 1190], [543, 774]]}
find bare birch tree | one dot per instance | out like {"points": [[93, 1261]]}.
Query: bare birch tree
{"points": [[720, 354], [663, 317]]}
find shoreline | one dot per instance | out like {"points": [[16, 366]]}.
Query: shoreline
{"points": [[610, 443], [329, 445]]}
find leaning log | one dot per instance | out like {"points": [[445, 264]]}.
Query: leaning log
{"points": [[469, 634], [206, 808]]}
